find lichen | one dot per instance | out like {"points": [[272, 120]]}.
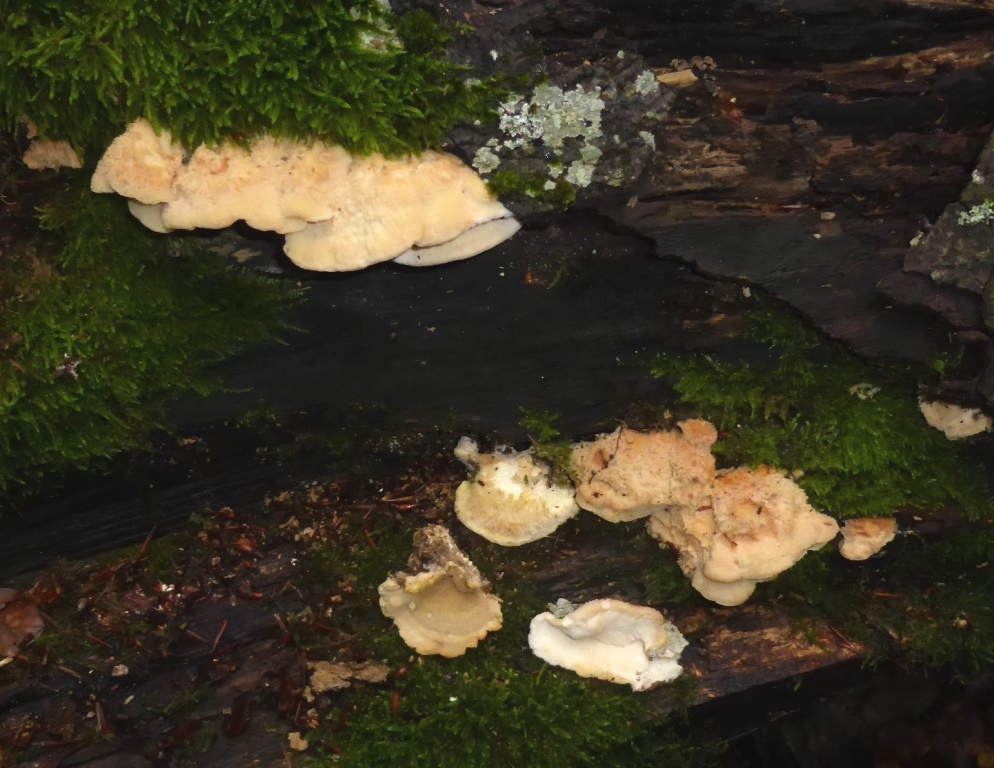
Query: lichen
{"points": [[485, 161], [977, 214], [646, 83]]}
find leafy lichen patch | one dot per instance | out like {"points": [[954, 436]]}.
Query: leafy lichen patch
{"points": [[583, 129]]}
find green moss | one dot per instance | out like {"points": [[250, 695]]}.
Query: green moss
{"points": [[665, 584], [507, 185], [498, 705], [114, 322], [211, 70], [548, 443], [501, 706], [923, 603], [487, 715], [853, 429]]}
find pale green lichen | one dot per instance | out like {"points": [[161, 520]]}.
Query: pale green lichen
{"points": [[485, 160], [646, 83], [553, 121], [977, 214], [556, 134], [581, 172], [552, 116]]}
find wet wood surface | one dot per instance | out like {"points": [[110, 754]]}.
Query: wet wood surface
{"points": [[825, 139]]}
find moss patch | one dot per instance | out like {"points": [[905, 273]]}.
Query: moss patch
{"points": [[350, 73], [508, 186], [925, 602], [548, 443], [854, 430], [111, 323]]}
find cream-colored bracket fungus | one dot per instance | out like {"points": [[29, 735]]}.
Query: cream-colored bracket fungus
{"points": [[955, 421], [338, 212], [511, 500], [627, 475], [444, 605], [758, 524], [863, 538], [610, 640]]}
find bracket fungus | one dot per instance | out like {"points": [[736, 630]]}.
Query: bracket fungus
{"points": [[863, 538], [338, 211], [627, 475], [444, 606], [611, 640], [44, 154], [955, 421], [758, 524], [511, 500]]}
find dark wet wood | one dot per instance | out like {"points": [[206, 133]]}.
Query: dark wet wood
{"points": [[872, 113], [805, 162], [221, 670], [732, 649]]}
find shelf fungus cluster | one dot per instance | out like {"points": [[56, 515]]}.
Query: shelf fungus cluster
{"points": [[627, 475], [758, 524], [511, 500], [610, 640], [732, 528], [338, 211], [443, 605], [955, 421], [865, 537]]}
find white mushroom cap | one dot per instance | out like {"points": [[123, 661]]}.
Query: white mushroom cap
{"points": [[863, 538], [610, 640], [723, 593], [955, 421], [511, 500], [444, 607], [758, 524], [627, 475], [339, 212]]}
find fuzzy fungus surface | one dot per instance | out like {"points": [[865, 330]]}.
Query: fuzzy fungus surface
{"points": [[511, 500], [338, 211], [865, 537], [955, 421], [758, 524], [442, 605], [610, 640], [627, 475], [44, 154]]}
